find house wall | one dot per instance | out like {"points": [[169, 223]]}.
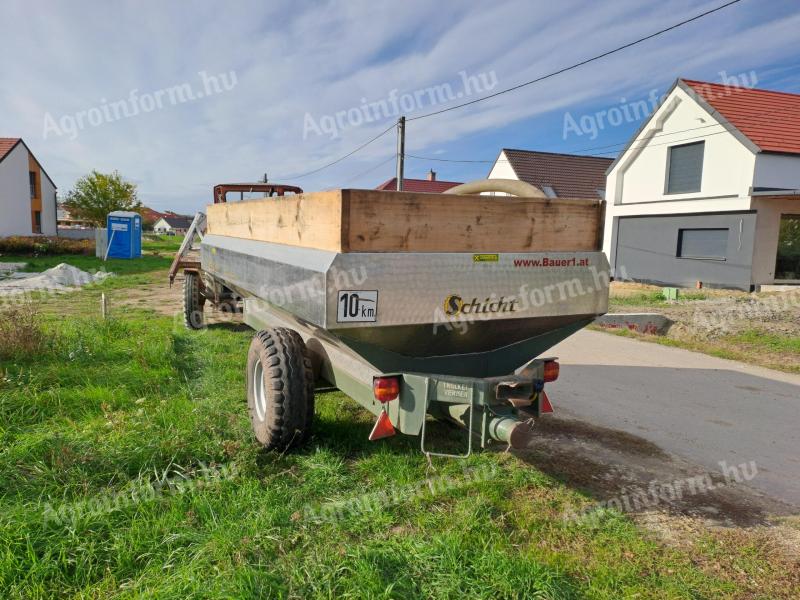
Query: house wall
{"points": [[647, 249], [15, 197], [777, 171], [767, 230], [16, 205], [637, 183], [501, 170]]}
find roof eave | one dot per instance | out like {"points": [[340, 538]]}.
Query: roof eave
{"points": [[41, 168], [642, 127]]}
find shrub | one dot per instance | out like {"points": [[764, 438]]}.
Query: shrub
{"points": [[21, 332], [38, 246]]}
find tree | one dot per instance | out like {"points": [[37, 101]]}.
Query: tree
{"points": [[97, 194]]}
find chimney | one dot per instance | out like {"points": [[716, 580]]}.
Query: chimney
{"points": [[431, 175]]}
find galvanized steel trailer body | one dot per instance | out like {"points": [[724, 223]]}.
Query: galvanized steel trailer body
{"points": [[461, 331]]}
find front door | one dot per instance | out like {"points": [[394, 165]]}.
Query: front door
{"points": [[787, 262]]}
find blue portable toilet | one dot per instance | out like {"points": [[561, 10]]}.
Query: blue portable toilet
{"points": [[124, 234]]}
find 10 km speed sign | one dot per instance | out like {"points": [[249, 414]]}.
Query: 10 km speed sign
{"points": [[357, 306]]}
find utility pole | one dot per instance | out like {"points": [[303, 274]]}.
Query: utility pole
{"points": [[401, 151], [265, 181]]}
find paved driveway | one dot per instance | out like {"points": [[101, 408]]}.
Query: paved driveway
{"points": [[702, 408]]}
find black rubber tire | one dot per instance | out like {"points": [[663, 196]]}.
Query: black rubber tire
{"points": [[193, 301], [282, 415]]}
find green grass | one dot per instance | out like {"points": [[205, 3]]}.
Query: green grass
{"points": [[157, 255], [756, 339], [654, 299], [112, 405]]}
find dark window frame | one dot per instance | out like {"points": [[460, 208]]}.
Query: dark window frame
{"points": [[32, 183], [778, 257], [679, 247], [669, 163]]}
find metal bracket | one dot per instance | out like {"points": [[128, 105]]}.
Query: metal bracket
{"points": [[429, 453]]}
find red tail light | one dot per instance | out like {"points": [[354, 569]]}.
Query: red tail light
{"points": [[551, 369], [386, 389]]}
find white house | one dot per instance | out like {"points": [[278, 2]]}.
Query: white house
{"points": [[557, 175], [27, 194], [172, 224], [708, 190]]}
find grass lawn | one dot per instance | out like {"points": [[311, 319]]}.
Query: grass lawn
{"points": [[127, 469]]}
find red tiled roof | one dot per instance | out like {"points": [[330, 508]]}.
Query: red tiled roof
{"points": [[149, 214], [419, 185], [771, 120], [6, 144], [569, 175]]}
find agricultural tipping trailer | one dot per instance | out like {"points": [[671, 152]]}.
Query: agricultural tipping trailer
{"points": [[411, 304]]}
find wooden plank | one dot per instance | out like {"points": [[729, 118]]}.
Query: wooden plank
{"points": [[408, 222], [310, 220], [379, 221]]}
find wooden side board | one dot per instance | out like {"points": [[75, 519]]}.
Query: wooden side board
{"points": [[312, 220], [379, 221], [407, 222]]}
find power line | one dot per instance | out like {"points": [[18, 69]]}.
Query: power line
{"points": [[629, 141], [579, 64], [341, 158], [370, 170], [453, 160], [519, 86], [645, 146]]}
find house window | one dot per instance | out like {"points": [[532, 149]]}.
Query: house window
{"points": [[32, 180], [706, 244], [685, 168], [787, 262], [37, 221]]}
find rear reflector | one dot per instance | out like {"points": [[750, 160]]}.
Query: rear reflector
{"points": [[551, 369], [386, 389], [383, 427], [544, 404]]}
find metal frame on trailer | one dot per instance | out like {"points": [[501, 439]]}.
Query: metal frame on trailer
{"points": [[421, 394]]}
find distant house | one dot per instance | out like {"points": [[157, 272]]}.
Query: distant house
{"points": [[172, 224], [431, 185], [66, 220], [708, 190], [27, 194], [557, 175]]}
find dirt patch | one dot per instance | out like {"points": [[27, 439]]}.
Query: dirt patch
{"points": [[165, 300], [619, 470], [610, 438]]}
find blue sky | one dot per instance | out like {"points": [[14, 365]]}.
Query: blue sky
{"points": [[285, 69]]}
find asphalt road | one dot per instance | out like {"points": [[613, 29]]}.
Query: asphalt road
{"points": [[701, 408]]}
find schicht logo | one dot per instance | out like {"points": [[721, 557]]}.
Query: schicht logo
{"points": [[455, 305]]}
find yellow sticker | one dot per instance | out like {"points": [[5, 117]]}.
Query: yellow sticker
{"points": [[485, 257]]}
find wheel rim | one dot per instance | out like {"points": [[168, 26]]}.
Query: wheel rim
{"points": [[258, 391]]}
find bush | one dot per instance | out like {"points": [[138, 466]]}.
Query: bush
{"points": [[21, 332], [39, 246]]}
